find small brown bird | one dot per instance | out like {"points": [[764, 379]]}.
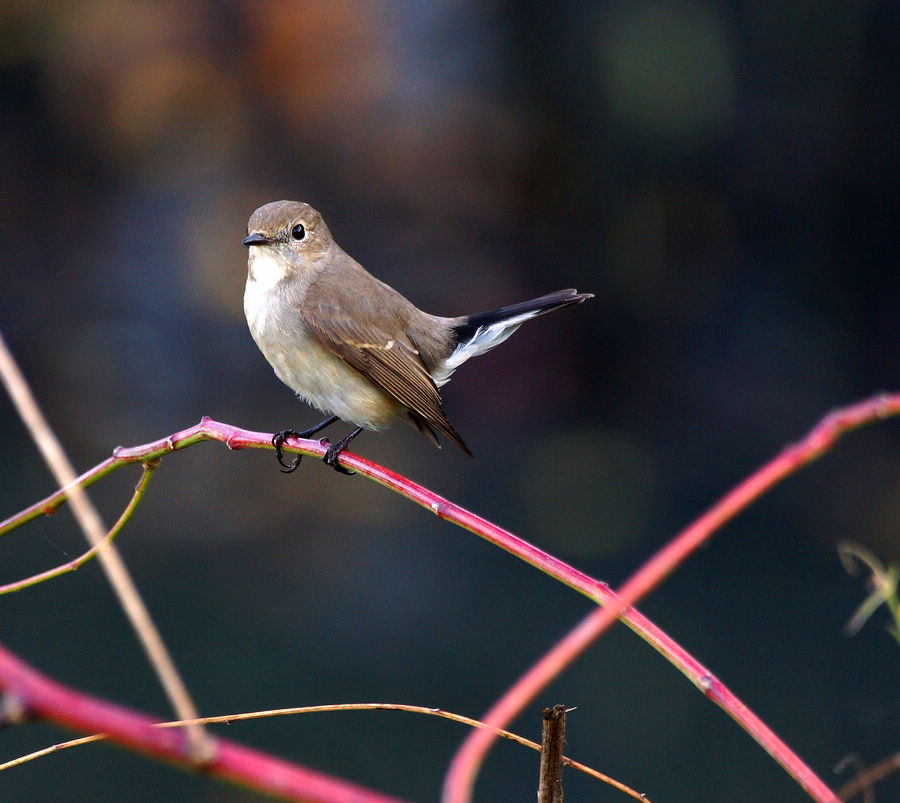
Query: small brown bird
{"points": [[350, 345]]}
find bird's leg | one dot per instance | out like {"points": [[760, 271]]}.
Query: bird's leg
{"points": [[330, 457], [279, 438]]}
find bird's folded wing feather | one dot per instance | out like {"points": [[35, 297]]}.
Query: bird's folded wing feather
{"points": [[390, 362]]}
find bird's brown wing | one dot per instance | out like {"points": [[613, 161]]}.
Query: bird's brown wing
{"points": [[390, 362]]}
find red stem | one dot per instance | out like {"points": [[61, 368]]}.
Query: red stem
{"points": [[46, 699], [460, 779], [39, 696]]}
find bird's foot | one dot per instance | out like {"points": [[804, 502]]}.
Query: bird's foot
{"points": [[331, 454], [334, 452], [330, 458], [278, 440]]}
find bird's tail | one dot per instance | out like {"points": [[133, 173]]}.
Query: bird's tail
{"points": [[478, 333]]}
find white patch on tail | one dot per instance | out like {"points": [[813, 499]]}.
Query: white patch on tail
{"points": [[484, 339]]}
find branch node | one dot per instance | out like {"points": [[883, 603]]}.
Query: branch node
{"points": [[883, 408]]}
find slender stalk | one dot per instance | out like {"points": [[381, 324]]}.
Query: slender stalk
{"points": [[78, 562], [35, 695], [114, 567], [228, 719], [863, 784]]}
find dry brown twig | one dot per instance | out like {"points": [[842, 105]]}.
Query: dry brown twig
{"points": [[92, 526]]}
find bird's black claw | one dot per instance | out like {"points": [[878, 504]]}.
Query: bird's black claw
{"points": [[331, 454], [330, 458], [292, 466], [278, 440]]}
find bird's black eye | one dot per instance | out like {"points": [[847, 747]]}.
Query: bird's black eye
{"points": [[298, 232]]}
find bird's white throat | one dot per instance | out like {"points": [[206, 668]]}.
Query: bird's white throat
{"points": [[265, 268], [265, 273]]}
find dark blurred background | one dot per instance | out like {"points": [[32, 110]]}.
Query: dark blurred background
{"points": [[722, 175]]}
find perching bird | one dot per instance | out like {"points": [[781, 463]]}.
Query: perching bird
{"points": [[350, 345]]}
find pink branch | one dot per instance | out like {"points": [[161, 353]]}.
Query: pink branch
{"points": [[35, 695], [242, 765], [461, 775]]}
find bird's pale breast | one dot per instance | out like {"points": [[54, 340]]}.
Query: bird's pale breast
{"points": [[315, 374]]}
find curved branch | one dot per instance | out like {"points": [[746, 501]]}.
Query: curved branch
{"points": [[461, 776], [29, 694]]}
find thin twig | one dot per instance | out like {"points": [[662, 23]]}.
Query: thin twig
{"points": [[91, 524], [35, 695], [863, 783], [228, 719], [53, 748], [78, 562]]}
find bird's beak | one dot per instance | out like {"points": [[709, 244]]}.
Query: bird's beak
{"points": [[255, 239]]}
